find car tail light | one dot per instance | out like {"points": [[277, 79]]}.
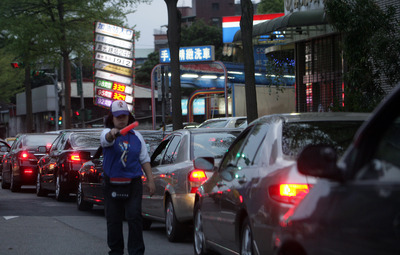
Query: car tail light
{"points": [[28, 171], [74, 158], [24, 155], [289, 192], [196, 178]]}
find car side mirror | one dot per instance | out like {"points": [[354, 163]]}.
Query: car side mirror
{"points": [[319, 161], [5, 149], [204, 163]]}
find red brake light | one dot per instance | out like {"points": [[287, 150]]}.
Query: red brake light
{"points": [[75, 157], [28, 171], [288, 193], [24, 155], [197, 176]]}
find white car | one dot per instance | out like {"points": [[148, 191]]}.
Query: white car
{"points": [[225, 122]]}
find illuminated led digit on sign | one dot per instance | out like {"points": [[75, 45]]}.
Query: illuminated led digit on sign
{"points": [[104, 93], [119, 96], [119, 87], [103, 101], [104, 84]]}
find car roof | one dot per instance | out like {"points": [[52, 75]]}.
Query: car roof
{"points": [[314, 116], [207, 130]]}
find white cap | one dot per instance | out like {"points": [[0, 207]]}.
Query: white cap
{"points": [[119, 108]]}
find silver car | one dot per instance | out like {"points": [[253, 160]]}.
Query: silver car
{"points": [[177, 180], [224, 122]]}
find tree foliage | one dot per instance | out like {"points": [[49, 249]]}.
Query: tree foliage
{"points": [[270, 6], [199, 33], [371, 49], [143, 75], [44, 32], [11, 80]]}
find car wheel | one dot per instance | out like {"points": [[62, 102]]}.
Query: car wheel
{"points": [[173, 228], [15, 187], [246, 238], [199, 242], [146, 224], [40, 192], [4, 184], [80, 200], [60, 193]]}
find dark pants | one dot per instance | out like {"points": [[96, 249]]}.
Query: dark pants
{"points": [[131, 210]]}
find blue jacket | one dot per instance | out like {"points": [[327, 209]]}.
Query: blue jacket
{"points": [[124, 156]]}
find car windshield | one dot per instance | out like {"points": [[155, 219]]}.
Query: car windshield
{"points": [[212, 144], [214, 124], [85, 140], [339, 134], [33, 141]]}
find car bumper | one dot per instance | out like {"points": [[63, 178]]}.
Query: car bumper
{"points": [[183, 206]]}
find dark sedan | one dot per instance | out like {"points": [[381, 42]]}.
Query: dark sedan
{"points": [[59, 168], [4, 149], [257, 182], [20, 164], [90, 185], [355, 208]]}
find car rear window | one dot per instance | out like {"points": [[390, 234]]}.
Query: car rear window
{"points": [[212, 144], [85, 140], [33, 141], [214, 124], [339, 134]]}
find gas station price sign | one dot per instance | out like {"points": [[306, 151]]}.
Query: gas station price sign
{"points": [[120, 87], [114, 95], [114, 64]]}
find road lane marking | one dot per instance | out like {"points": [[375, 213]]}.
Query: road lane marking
{"points": [[10, 217]]}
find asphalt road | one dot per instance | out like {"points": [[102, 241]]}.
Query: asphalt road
{"points": [[42, 226]]}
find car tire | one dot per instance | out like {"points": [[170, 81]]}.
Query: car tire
{"points": [[80, 200], [60, 193], [40, 192], [246, 238], [173, 228], [146, 224], [199, 240], [4, 184], [14, 186]]}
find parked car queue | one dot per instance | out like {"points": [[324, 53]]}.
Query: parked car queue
{"points": [[243, 198]]}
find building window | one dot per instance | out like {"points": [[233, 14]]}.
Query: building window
{"points": [[215, 6], [320, 75]]}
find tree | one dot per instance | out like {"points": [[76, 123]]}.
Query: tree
{"points": [[174, 38], [246, 26], [199, 33], [143, 74], [46, 30], [270, 6], [371, 50], [11, 80]]}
